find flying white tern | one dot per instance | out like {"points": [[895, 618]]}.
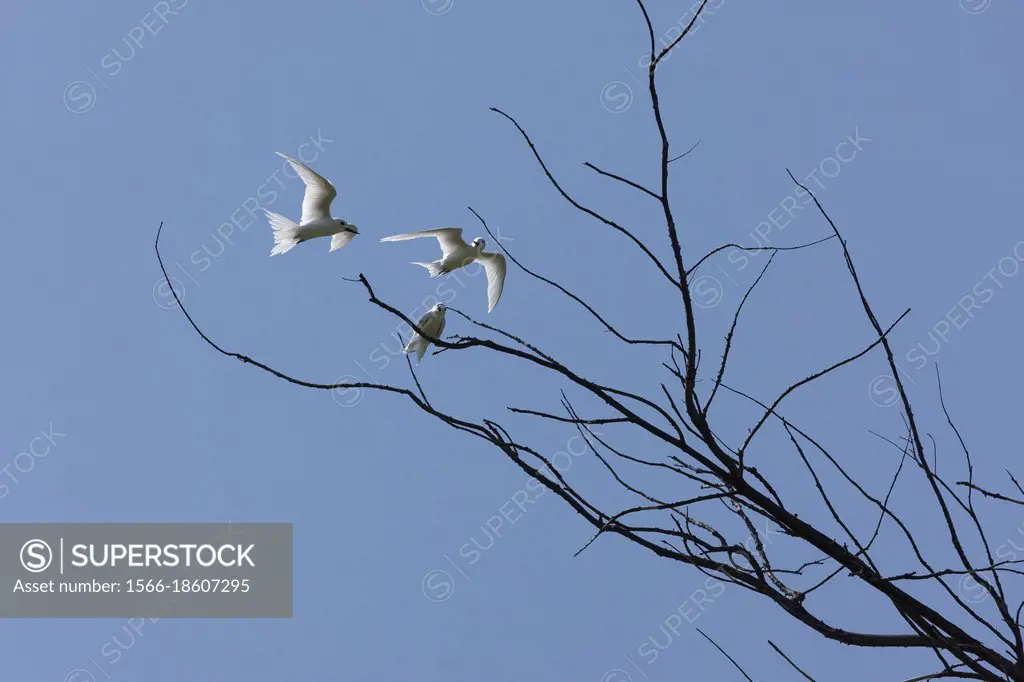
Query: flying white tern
{"points": [[316, 220], [456, 253]]}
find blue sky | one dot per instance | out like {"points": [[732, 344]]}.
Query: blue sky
{"points": [[125, 113]]}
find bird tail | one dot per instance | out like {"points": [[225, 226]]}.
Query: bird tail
{"points": [[417, 344], [435, 269], [285, 232]]}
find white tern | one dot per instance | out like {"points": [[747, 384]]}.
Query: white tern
{"points": [[316, 220], [456, 253], [432, 323]]}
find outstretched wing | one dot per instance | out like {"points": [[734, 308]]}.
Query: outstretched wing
{"points": [[450, 238], [494, 264], [316, 203], [341, 239]]}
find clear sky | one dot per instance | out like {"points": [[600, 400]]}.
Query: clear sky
{"points": [[124, 113]]}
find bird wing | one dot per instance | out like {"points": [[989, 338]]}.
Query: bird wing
{"points": [[440, 329], [450, 238], [423, 323], [316, 203], [341, 239], [494, 264], [418, 343]]}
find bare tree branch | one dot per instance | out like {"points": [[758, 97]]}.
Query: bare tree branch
{"points": [[666, 430]]}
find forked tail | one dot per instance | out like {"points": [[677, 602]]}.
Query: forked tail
{"points": [[435, 269], [418, 345], [286, 232]]}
